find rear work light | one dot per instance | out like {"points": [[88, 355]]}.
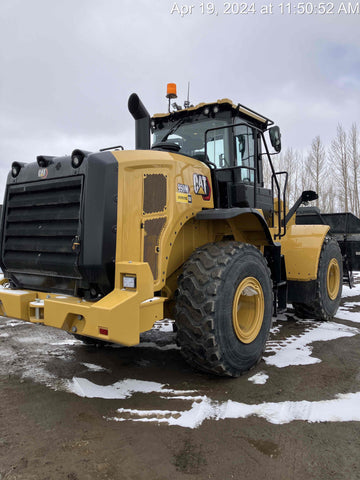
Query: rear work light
{"points": [[77, 157], [44, 160], [15, 168]]}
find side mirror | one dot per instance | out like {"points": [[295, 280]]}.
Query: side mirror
{"points": [[275, 138], [308, 196]]}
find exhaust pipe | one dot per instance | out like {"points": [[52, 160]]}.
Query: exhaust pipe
{"points": [[142, 122]]}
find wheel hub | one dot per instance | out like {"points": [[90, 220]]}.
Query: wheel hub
{"points": [[333, 279], [248, 310]]}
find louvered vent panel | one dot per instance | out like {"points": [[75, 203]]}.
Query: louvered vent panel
{"points": [[42, 222]]}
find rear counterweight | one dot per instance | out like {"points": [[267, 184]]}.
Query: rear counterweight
{"points": [[59, 226]]}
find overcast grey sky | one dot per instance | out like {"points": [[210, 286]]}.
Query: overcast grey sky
{"points": [[68, 68]]}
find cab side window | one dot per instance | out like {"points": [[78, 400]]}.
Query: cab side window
{"points": [[245, 152], [215, 148], [219, 147]]}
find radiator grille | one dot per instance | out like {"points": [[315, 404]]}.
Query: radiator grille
{"points": [[42, 223], [154, 193]]}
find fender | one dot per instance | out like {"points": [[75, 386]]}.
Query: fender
{"points": [[247, 224], [302, 246]]}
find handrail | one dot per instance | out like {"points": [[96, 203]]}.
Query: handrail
{"points": [[280, 222]]}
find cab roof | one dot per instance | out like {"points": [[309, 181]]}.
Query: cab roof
{"points": [[223, 104]]}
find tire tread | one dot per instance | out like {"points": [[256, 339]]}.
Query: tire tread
{"points": [[199, 284]]}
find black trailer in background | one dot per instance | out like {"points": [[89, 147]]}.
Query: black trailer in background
{"points": [[344, 227]]}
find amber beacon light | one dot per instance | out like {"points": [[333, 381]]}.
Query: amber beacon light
{"points": [[171, 91]]}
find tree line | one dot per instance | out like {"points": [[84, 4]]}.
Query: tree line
{"points": [[333, 171]]}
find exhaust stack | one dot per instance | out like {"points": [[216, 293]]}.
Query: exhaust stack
{"points": [[142, 122]]}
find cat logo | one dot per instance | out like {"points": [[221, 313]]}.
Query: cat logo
{"points": [[43, 172], [201, 186]]}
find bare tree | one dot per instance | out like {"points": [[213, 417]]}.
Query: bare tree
{"points": [[354, 154], [291, 161], [328, 199], [339, 158], [334, 174], [315, 167]]}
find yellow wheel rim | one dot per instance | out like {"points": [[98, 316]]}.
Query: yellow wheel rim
{"points": [[248, 310], [333, 279]]}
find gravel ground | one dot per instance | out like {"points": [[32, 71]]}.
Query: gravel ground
{"points": [[72, 411]]}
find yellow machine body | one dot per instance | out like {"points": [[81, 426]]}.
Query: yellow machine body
{"points": [[156, 233]]}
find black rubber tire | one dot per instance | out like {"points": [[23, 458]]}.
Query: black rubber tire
{"points": [[204, 303], [323, 307]]}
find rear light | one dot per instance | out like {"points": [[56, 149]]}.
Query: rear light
{"points": [[103, 331]]}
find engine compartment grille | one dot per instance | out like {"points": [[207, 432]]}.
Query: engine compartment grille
{"points": [[41, 229]]}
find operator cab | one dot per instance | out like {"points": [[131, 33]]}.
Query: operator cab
{"points": [[230, 139]]}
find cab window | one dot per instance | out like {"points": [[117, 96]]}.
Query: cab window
{"points": [[218, 147], [245, 152], [215, 148]]}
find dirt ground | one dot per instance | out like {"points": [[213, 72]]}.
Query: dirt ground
{"points": [[48, 431]]}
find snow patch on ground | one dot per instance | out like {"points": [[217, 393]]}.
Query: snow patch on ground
{"points": [[344, 313], [70, 341], [171, 346], [94, 368], [124, 389], [275, 329], [259, 378], [344, 408], [6, 322], [350, 305], [119, 390], [297, 350], [164, 325], [351, 292]]}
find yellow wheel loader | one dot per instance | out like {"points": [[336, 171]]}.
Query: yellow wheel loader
{"points": [[105, 244]]}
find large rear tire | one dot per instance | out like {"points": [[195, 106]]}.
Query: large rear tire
{"points": [[224, 308], [328, 284]]}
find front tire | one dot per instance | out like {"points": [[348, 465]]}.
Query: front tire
{"points": [[328, 285], [224, 308]]}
